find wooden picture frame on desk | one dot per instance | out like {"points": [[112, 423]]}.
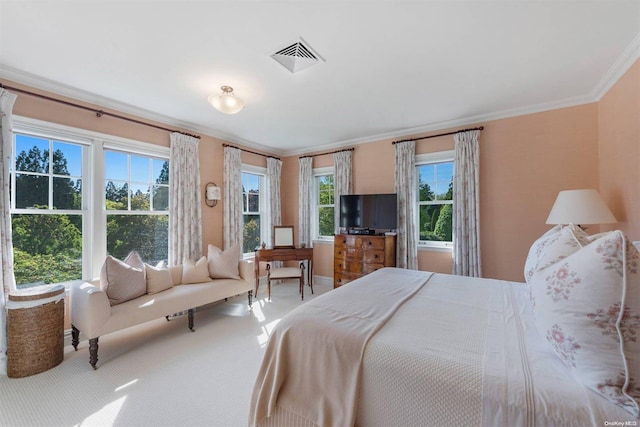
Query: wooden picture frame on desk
{"points": [[283, 236]]}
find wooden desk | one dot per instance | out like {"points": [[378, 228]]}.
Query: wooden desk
{"points": [[284, 254]]}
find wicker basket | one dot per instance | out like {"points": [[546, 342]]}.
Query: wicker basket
{"points": [[35, 330]]}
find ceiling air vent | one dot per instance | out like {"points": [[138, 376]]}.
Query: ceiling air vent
{"points": [[297, 56]]}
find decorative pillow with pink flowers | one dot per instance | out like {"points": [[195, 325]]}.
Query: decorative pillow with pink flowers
{"points": [[585, 293]]}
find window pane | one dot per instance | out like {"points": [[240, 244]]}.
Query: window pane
{"points": [[115, 166], [254, 203], [32, 191], [160, 171], [140, 169], [251, 233], [160, 198], [250, 183], [140, 197], [147, 234], [326, 221], [46, 248], [67, 159], [426, 182], [67, 193], [325, 190], [32, 154], [117, 195], [436, 222]]}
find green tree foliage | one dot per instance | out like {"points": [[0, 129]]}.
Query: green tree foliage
{"points": [[48, 234], [250, 234], [426, 193], [444, 225], [45, 268], [326, 219]]}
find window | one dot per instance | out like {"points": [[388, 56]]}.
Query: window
{"points": [[137, 205], [435, 198], [77, 195], [252, 206], [47, 215], [323, 204]]}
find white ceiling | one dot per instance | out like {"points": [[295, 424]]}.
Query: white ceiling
{"points": [[392, 67]]}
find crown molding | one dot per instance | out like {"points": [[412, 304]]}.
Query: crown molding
{"points": [[617, 70]]}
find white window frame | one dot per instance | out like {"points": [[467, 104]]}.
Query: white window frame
{"points": [[315, 206], [94, 230], [262, 173], [421, 160]]}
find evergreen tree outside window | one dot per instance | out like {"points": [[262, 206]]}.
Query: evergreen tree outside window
{"points": [[137, 203], [435, 199], [47, 213]]}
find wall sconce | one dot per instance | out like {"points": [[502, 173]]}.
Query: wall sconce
{"points": [[211, 194]]}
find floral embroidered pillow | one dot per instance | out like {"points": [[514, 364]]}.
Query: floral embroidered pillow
{"points": [[587, 306], [536, 249]]}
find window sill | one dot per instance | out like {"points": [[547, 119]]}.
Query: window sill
{"points": [[435, 248]]}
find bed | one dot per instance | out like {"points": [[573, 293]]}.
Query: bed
{"points": [[408, 348]]}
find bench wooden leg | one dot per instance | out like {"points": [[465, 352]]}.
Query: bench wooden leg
{"points": [[93, 352], [250, 294], [75, 337], [191, 311]]}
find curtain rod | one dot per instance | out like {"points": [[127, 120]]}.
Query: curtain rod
{"points": [[252, 152], [324, 154], [99, 113], [440, 134]]}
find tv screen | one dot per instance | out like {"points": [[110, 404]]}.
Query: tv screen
{"points": [[373, 211]]}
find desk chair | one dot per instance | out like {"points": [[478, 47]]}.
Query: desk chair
{"points": [[286, 273]]}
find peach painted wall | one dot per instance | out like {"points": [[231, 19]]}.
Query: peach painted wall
{"points": [[619, 151]]}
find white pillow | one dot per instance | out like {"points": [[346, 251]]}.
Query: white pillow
{"points": [[224, 264], [195, 272], [576, 302], [123, 281], [158, 278]]}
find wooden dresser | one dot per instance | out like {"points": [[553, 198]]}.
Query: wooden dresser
{"points": [[357, 255]]}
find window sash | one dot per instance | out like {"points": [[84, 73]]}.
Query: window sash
{"points": [[431, 159]]}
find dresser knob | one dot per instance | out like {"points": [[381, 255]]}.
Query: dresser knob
{"points": [[375, 256]]}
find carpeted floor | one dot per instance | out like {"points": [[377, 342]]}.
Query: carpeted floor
{"points": [[159, 373]]}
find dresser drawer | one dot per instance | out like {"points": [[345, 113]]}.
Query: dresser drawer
{"points": [[343, 278], [348, 254], [342, 266], [373, 257], [347, 241], [374, 243]]}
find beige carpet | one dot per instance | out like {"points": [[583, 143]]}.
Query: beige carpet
{"points": [[159, 373]]}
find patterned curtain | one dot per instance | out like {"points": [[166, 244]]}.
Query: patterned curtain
{"points": [[233, 227], [273, 214], [405, 187], [466, 206], [305, 177], [342, 182], [185, 218], [6, 246]]}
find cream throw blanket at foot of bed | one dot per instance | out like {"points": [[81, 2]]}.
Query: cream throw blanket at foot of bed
{"points": [[312, 362]]}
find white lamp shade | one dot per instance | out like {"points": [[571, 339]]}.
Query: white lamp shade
{"points": [[580, 207], [226, 102]]}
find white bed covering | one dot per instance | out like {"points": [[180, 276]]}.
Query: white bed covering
{"points": [[461, 351]]}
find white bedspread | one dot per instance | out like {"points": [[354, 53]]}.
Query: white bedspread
{"points": [[462, 351]]}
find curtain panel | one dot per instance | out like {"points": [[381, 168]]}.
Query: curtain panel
{"points": [[342, 183], [233, 226], [405, 187], [274, 214], [466, 205], [305, 187], [185, 218], [6, 245]]}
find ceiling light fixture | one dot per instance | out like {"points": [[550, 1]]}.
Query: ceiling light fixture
{"points": [[226, 102]]}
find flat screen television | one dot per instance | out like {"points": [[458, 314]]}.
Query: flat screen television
{"points": [[369, 211]]}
